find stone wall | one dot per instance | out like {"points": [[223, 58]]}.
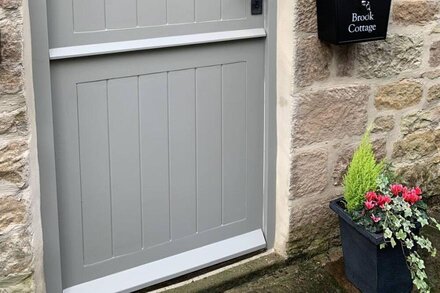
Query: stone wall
{"points": [[337, 91], [17, 257]]}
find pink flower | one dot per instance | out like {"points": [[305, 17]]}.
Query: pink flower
{"points": [[371, 196], [418, 190], [396, 189], [369, 205], [382, 200], [375, 219]]}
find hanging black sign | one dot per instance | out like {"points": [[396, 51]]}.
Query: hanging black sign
{"points": [[352, 21]]}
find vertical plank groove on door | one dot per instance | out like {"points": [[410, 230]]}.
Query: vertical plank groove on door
{"points": [[154, 161], [121, 14], [141, 199], [209, 164], [170, 213], [208, 10], [234, 142], [94, 171], [234, 9], [222, 135], [196, 165], [152, 12], [88, 15], [182, 153], [124, 162], [180, 11], [109, 167]]}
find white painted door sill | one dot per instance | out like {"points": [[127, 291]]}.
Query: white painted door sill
{"points": [[174, 266]]}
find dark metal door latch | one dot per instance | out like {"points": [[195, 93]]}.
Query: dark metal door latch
{"points": [[256, 7]]}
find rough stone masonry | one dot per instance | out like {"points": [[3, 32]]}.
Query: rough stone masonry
{"points": [[16, 234], [337, 91]]}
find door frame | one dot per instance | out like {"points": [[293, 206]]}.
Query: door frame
{"points": [[46, 149]]}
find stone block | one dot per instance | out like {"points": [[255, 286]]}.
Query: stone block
{"points": [[434, 93], [416, 146], [417, 12], [399, 95], [11, 81], [431, 74], [390, 57], [14, 163], [434, 57], [15, 255], [14, 211], [309, 173], [15, 122], [424, 173], [10, 4], [428, 119], [383, 124], [330, 114], [306, 20], [314, 228], [312, 61]]}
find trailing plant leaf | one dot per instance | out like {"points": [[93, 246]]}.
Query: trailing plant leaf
{"points": [[362, 175], [375, 202], [400, 222]]}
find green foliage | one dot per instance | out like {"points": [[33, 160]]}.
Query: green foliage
{"points": [[386, 178], [399, 226], [400, 220], [362, 175]]}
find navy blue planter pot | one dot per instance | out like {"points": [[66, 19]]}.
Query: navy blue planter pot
{"points": [[369, 268]]}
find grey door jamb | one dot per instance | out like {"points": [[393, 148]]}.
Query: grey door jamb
{"points": [[46, 151], [270, 127]]}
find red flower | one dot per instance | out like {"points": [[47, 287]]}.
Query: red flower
{"points": [[371, 196], [369, 205], [418, 190], [375, 219], [382, 200], [412, 196], [396, 189]]}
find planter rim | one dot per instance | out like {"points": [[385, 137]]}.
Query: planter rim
{"points": [[375, 238]]}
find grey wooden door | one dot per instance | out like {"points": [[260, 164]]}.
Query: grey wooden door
{"points": [[158, 151]]}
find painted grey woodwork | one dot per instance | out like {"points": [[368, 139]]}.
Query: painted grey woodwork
{"points": [[234, 142], [81, 22], [123, 128], [81, 104], [151, 13], [94, 154], [208, 10], [154, 158], [233, 9], [209, 134], [157, 153], [120, 14], [174, 266], [180, 11], [182, 148], [155, 43]]}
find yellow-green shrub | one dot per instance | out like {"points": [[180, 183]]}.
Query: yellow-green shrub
{"points": [[362, 174]]}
